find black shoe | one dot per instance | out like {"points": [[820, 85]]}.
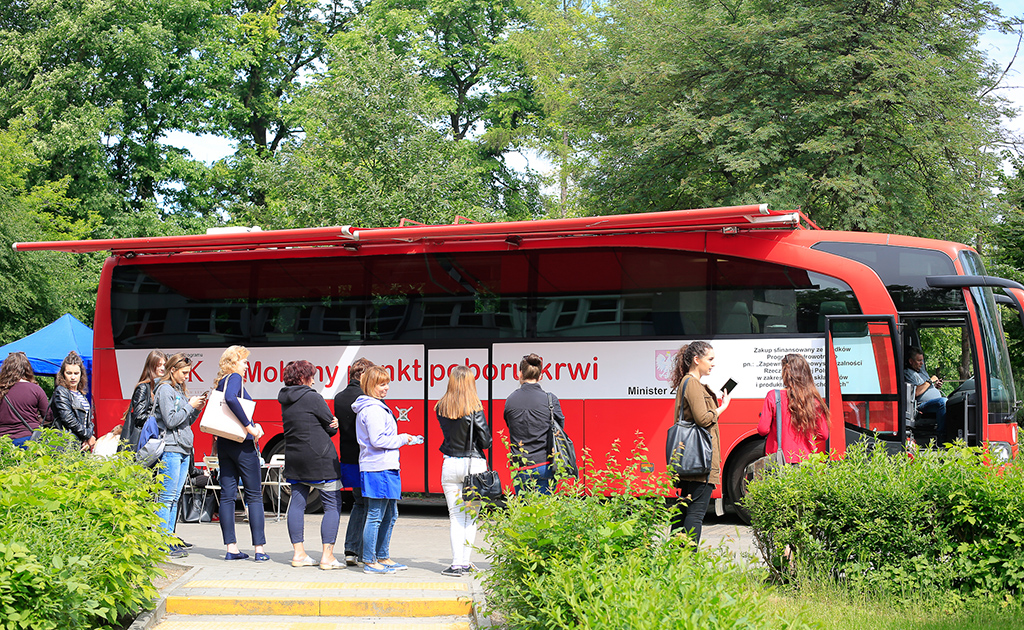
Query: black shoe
{"points": [[351, 559], [453, 571], [184, 545], [177, 551]]}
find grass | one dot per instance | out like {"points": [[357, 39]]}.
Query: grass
{"points": [[832, 609]]}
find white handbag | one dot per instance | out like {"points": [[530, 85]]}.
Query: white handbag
{"points": [[218, 420]]}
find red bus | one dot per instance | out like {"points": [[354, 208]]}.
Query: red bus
{"points": [[605, 300]]}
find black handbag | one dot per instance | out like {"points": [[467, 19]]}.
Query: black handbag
{"points": [[688, 448], [482, 486], [560, 447], [36, 433], [197, 507]]}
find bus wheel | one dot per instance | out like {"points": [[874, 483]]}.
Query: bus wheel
{"points": [[735, 484], [313, 505]]}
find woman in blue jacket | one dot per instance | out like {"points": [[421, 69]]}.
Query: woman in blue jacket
{"points": [[239, 461]]}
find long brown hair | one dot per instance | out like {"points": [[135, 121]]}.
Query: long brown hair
{"points": [[16, 367], [176, 362], [72, 359], [153, 359], [685, 358], [460, 399], [805, 402]]}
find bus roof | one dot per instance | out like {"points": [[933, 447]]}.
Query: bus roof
{"points": [[728, 219]]}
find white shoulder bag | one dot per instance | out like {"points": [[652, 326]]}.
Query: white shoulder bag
{"points": [[218, 420]]}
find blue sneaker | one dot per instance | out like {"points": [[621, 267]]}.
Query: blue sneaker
{"points": [[384, 569], [394, 566]]}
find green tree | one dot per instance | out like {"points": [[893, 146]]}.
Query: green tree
{"points": [[868, 114], [38, 287], [369, 155], [463, 48]]}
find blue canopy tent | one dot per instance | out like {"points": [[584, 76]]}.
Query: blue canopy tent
{"points": [[47, 347]]}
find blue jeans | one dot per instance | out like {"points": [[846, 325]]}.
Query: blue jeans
{"points": [[297, 514], [538, 478], [938, 407], [22, 441], [381, 515], [240, 461], [356, 524], [175, 469]]}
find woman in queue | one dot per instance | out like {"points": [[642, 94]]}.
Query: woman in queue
{"points": [[310, 461], [69, 406], [460, 414], [379, 441], [22, 401], [804, 413], [698, 404], [175, 413], [143, 402], [239, 461]]}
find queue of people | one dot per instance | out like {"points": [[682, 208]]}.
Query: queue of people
{"points": [[370, 443]]}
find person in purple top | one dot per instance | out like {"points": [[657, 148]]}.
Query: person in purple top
{"points": [[239, 461], [379, 441], [22, 401]]}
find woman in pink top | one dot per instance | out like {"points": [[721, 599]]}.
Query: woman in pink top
{"points": [[804, 413]]}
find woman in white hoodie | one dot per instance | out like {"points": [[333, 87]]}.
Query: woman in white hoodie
{"points": [[379, 441]]}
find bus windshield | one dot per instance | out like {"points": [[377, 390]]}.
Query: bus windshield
{"points": [[1002, 392]]}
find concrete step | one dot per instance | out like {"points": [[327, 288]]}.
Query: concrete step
{"points": [[255, 622]]}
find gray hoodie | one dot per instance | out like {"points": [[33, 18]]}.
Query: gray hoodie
{"points": [[175, 417]]}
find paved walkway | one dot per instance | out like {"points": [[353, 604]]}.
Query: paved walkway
{"points": [[219, 589]]}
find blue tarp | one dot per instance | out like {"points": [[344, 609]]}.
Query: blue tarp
{"points": [[47, 347]]}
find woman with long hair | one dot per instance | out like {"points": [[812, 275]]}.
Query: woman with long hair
{"points": [[70, 405], [239, 461], [804, 413], [379, 469], [175, 413], [22, 401], [459, 412], [143, 400], [310, 461], [697, 403]]}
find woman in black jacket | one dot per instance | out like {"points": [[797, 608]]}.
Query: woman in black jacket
{"points": [[69, 406], [143, 403], [310, 461], [458, 412]]}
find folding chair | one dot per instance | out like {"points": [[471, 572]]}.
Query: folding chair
{"points": [[274, 478]]}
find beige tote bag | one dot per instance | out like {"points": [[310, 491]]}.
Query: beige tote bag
{"points": [[218, 420]]}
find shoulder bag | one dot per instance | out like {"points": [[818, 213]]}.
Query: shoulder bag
{"points": [[759, 467], [218, 420], [482, 486], [560, 447], [36, 433], [688, 448], [151, 444]]}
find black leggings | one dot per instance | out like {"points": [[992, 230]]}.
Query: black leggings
{"points": [[691, 511]]}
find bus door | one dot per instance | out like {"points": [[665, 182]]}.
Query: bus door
{"points": [[440, 362], [865, 365]]}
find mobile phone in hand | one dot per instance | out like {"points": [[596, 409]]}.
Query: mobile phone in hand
{"points": [[729, 386]]}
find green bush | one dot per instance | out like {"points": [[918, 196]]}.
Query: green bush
{"points": [[80, 541], [580, 559], [942, 521]]}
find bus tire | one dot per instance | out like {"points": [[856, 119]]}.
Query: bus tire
{"points": [[735, 486], [313, 505]]}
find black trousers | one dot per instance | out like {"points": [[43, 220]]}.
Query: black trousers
{"points": [[694, 498]]}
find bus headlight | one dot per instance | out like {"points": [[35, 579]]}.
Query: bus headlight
{"points": [[1000, 450]]}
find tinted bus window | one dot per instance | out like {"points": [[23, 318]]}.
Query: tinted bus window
{"points": [[903, 271], [485, 295]]}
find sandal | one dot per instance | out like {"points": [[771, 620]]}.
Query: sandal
{"points": [[333, 564], [305, 562]]}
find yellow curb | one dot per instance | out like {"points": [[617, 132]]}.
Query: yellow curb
{"points": [[343, 586], [320, 607], [182, 624]]}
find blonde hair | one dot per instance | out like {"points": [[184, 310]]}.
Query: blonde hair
{"points": [[460, 399], [231, 356], [371, 378]]}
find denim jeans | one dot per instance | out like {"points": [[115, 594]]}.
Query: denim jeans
{"points": [[239, 461], [691, 517], [938, 407], [356, 524], [381, 515], [538, 478], [174, 467], [297, 514]]}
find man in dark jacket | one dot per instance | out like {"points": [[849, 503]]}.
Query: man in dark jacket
{"points": [[350, 458], [529, 427]]}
